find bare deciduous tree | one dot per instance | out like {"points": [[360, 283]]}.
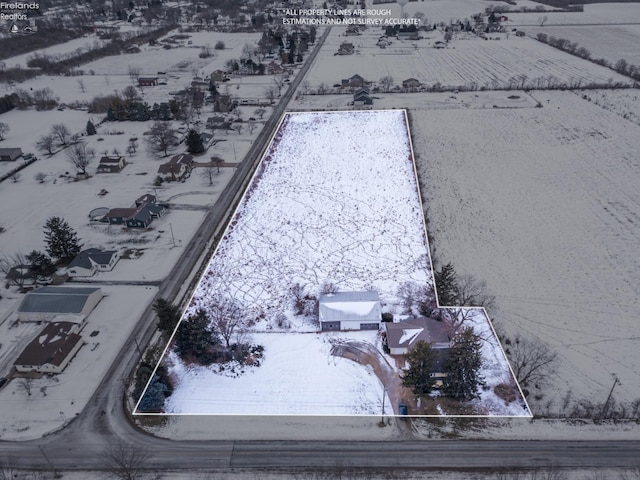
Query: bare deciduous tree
{"points": [[134, 72], [81, 85], [251, 126], [15, 178], [260, 112], [270, 93], [40, 177], [227, 317], [25, 385], [532, 360], [126, 461], [305, 86], [80, 156], [4, 128], [161, 138], [386, 82], [46, 143], [61, 133], [130, 93], [208, 173], [472, 293]]}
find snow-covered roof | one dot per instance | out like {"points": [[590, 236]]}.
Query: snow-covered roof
{"points": [[350, 306], [56, 300]]}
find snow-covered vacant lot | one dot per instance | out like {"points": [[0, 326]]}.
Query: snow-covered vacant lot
{"points": [[543, 203], [334, 200]]}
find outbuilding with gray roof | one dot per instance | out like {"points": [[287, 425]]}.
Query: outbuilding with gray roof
{"points": [[46, 303]]}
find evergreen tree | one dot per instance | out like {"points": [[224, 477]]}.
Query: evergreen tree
{"points": [[195, 339], [91, 128], [154, 397], [194, 142], [40, 266], [463, 366], [62, 241], [168, 315], [446, 285], [419, 375]]}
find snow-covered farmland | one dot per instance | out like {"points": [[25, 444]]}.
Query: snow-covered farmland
{"points": [[467, 61], [543, 204], [625, 103], [335, 200], [611, 42]]}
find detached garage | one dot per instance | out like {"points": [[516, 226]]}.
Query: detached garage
{"points": [[46, 303], [349, 311]]}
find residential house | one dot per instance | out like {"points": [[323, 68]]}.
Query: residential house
{"points": [[218, 123], [147, 81], [144, 215], [178, 168], [218, 76], [92, 260], [223, 103], [46, 303], [52, 350], [411, 84], [408, 36], [118, 216], [346, 48], [146, 198], [10, 154], [352, 30], [111, 164], [362, 98], [440, 44], [349, 311], [274, 68], [402, 336], [356, 81]]}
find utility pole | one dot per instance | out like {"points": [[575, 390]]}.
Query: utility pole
{"points": [[172, 238], [53, 469], [606, 404], [384, 394]]}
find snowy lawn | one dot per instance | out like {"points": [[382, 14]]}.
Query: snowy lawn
{"points": [[298, 377]]}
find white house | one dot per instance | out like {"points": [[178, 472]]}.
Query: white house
{"points": [[349, 311], [92, 260]]}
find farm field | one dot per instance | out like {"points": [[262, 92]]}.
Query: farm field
{"points": [[467, 61], [625, 103], [548, 213], [594, 14], [611, 42]]}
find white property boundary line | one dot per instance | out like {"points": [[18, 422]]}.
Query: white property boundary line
{"points": [[258, 171]]}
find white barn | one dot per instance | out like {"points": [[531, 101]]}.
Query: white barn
{"points": [[349, 311]]}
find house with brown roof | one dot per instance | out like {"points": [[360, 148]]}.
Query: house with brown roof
{"points": [[402, 336], [354, 81], [147, 81], [52, 350], [411, 84], [178, 168]]}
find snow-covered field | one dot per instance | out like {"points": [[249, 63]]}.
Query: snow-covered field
{"points": [[469, 60], [611, 42], [625, 103], [547, 212]]}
